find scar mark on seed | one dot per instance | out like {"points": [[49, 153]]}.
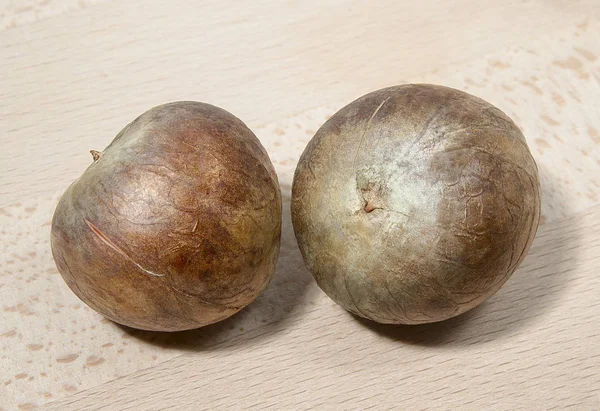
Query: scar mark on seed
{"points": [[107, 241]]}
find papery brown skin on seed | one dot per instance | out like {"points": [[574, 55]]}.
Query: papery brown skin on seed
{"points": [[175, 225], [415, 203]]}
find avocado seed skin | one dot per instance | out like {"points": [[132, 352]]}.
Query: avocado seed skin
{"points": [[415, 203], [175, 225]]}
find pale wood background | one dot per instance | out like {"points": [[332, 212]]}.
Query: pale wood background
{"points": [[72, 73]]}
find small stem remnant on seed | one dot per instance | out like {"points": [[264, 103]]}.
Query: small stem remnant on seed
{"points": [[369, 207], [96, 154]]}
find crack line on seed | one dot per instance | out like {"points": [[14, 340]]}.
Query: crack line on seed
{"points": [[107, 241], [362, 138]]}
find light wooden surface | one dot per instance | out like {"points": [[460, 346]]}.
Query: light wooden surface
{"points": [[73, 73]]}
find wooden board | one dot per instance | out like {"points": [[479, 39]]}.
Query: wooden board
{"points": [[73, 73]]}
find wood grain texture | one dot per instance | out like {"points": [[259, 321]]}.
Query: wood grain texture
{"points": [[324, 358], [14, 13], [70, 82], [67, 80]]}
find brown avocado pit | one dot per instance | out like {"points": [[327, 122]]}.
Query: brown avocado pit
{"points": [[415, 203], [175, 225]]}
